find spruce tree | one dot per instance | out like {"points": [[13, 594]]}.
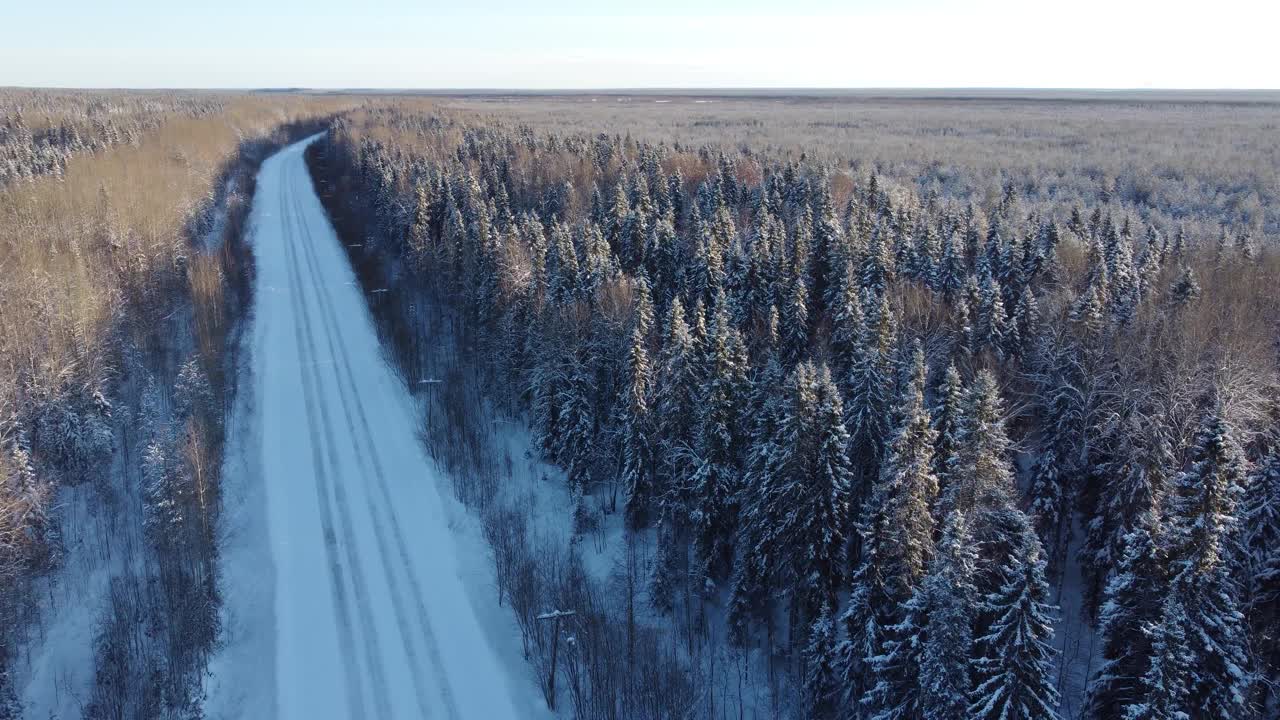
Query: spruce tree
{"points": [[847, 321], [1132, 602], [1059, 414], [1138, 456], [1262, 546], [563, 280], [1014, 667], [983, 476], [948, 416], [642, 307], [418, 240], [638, 460], [870, 388], [903, 497], [798, 517], [992, 325], [751, 568], [713, 486], [1185, 290], [1203, 530], [896, 531], [821, 677], [877, 264], [947, 598], [666, 568], [677, 403], [948, 273], [1024, 324], [795, 322], [615, 223], [576, 408], [907, 487], [1162, 692]]}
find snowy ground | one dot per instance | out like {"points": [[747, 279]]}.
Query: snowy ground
{"points": [[54, 672], [353, 587]]}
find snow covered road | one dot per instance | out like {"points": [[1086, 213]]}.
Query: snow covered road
{"points": [[362, 600]]}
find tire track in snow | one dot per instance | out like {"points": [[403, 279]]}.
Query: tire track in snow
{"points": [[367, 456], [334, 330], [359, 584], [346, 640]]}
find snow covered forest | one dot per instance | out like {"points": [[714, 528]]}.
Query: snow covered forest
{"points": [[124, 279], [892, 440], [837, 407]]}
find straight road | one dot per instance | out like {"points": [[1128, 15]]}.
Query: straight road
{"points": [[371, 618]]}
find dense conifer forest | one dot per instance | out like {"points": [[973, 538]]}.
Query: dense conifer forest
{"points": [[923, 451]]}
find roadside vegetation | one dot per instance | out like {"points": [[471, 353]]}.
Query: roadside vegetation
{"points": [[125, 276], [970, 427]]}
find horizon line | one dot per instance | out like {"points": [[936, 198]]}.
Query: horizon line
{"points": [[823, 89]]}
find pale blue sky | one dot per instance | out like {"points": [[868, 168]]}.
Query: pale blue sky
{"points": [[691, 43]]}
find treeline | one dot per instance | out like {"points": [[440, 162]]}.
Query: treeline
{"points": [[125, 277], [875, 429]]}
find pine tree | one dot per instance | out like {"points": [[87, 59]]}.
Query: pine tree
{"points": [[1016, 659]]}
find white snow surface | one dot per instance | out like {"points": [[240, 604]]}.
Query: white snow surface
{"points": [[354, 586]]}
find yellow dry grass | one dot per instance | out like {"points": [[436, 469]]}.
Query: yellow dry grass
{"points": [[78, 252]]}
